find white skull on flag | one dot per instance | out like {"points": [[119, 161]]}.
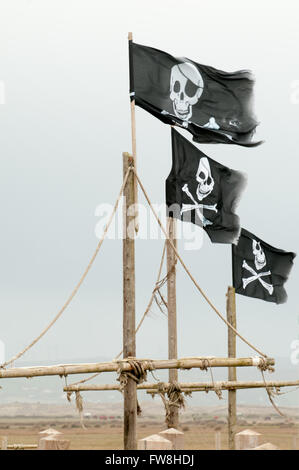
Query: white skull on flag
{"points": [[186, 87]]}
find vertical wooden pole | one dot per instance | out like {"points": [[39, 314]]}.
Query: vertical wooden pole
{"points": [[133, 131], [129, 345], [232, 371], [218, 440], [172, 320]]}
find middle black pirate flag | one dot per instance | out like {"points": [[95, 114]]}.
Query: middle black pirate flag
{"points": [[259, 269], [215, 106], [202, 191]]}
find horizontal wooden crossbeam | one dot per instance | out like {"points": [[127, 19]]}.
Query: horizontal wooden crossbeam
{"points": [[126, 366], [234, 385], [187, 386]]}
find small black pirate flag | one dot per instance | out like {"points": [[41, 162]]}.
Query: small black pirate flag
{"points": [[202, 191], [259, 269], [215, 106]]}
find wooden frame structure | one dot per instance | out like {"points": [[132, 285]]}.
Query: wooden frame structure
{"points": [[173, 364]]}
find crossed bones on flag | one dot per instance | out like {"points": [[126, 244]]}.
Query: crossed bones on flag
{"points": [[256, 276], [197, 207]]}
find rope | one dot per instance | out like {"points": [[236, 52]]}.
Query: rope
{"points": [[190, 275], [86, 380], [79, 405], [216, 388], [74, 292], [278, 392], [160, 302], [205, 364], [270, 391], [138, 374], [263, 366], [175, 398]]}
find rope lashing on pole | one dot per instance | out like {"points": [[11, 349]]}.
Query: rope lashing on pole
{"points": [[175, 397], [75, 290], [207, 366], [138, 374], [191, 276], [162, 387]]}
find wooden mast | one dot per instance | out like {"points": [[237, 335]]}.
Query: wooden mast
{"points": [[129, 344], [133, 131], [232, 371], [173, 420], [129, 336]]}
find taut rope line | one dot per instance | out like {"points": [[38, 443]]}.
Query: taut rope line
{"points": [[74, 292], [190, 275]]}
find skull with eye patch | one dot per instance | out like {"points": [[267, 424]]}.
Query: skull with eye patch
{"points": [[186, 87]]}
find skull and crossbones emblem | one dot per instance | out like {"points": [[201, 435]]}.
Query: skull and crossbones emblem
{"points": [[259, 261], [204, 188], [186, 87]]}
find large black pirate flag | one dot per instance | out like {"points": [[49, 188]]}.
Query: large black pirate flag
{"points": [[215, 106], [202, 191], [259, 269]]}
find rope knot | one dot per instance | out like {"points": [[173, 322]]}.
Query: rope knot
{"points": [[205, 364], [138, 373], [263, 366], [175, 397]]}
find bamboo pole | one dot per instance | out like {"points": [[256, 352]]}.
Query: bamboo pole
{"points": [[228, 385], [134, 153], [129, 343], [188, 386], [90, 368], [173, 420], [232, 372]]}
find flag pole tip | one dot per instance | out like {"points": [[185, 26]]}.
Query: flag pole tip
{"points": [[130, 36]]}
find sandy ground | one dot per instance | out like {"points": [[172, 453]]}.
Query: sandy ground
{"points": [[22, 422], [109, 436]]}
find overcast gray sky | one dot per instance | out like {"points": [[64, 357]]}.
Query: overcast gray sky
{"points": [[63, 128]]}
